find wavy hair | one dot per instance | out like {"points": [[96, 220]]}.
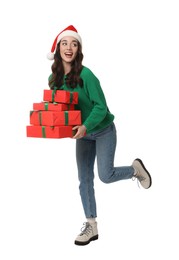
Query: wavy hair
{"points": [[73, 77]]}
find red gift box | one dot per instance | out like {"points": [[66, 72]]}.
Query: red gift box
{"points": [[61, 96], [53, 106], [50, 132], [55, 118]]}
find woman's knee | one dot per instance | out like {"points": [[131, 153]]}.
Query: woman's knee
{"points": [[104, 179]]}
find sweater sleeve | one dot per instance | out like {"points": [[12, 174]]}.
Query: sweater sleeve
{"points": [[97, 99]]}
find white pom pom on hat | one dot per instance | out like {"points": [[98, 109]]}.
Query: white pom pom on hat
{"points": [[68, 31]]}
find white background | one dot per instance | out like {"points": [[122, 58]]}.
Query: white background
{"points": [[132, 47]]}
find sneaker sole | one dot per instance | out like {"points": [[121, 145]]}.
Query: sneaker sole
{"points": [[140, 161], [80, 243]]}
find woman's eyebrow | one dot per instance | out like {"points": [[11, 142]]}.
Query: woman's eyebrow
{"points": [[71, 41]]}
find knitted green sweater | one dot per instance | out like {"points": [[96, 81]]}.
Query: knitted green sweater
{"points": [[91, 102]]}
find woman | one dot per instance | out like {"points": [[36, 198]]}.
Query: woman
{"points": [[96, 137]]}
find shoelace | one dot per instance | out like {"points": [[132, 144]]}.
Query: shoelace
{"points": [[86, 229], [139, 179]]}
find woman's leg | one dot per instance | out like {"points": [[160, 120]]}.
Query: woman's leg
{"points": [[105, 151], [85, 155]]}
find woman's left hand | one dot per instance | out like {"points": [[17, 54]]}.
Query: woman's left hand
{"points": [[81, 129]]}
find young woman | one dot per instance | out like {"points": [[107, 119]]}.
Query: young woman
{"points": [[96, 137]]}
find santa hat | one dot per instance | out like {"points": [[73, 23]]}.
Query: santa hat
{"points": [[69, 31]]}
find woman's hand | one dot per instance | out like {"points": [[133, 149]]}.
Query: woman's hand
{"points": [[81, 129]]}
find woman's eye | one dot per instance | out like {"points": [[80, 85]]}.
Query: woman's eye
{"points": [[72, 44]]}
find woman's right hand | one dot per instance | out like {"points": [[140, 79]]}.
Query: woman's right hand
{"points": [[81, 130]]}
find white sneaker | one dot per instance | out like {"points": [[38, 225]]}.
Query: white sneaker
{"points": [[142, 174], [89, 232]]}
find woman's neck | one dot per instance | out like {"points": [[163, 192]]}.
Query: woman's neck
{"points": [[67, 68]]}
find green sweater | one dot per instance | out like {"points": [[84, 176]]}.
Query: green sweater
{"points": [[91, 102]]}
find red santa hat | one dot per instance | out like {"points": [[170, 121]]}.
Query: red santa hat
{"points": [[69, 31]]}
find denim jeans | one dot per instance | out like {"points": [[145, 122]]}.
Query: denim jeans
{"points": [[100, 145]]}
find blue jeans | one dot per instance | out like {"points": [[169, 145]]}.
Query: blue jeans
{"points": [[100, 145]]}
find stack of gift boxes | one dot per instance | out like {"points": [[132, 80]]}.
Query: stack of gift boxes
{"points": [[55, 116]]}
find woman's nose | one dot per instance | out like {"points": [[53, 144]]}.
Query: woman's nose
{"points": [[69, 46]]}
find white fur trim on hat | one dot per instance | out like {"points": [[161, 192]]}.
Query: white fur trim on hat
{"points": [[69, 33]]}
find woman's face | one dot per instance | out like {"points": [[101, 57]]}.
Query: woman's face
{"points": [[68, 49]]}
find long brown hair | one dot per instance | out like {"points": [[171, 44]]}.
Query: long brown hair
{"points": [[73, 77]]}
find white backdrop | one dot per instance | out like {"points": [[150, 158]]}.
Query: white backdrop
{"points": [[132, 47]]}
